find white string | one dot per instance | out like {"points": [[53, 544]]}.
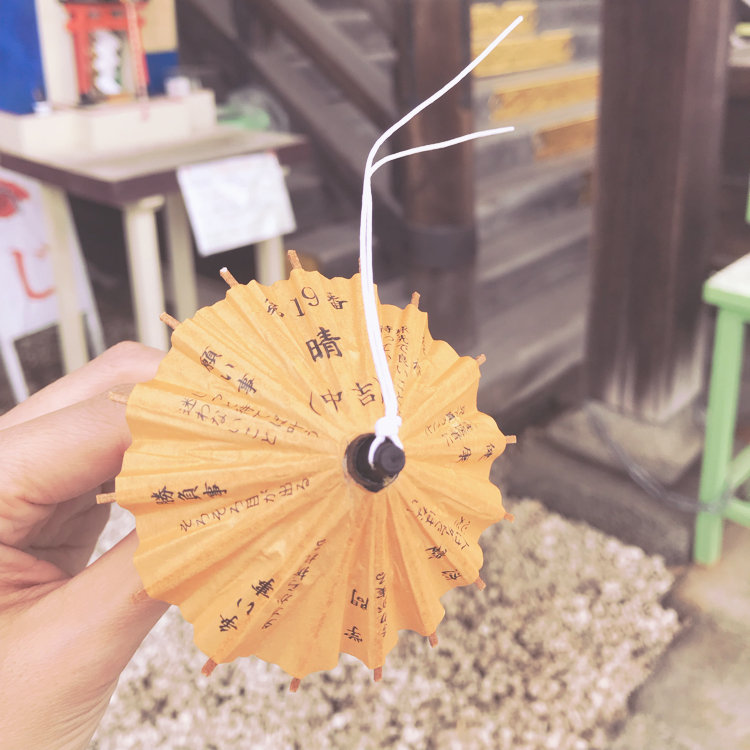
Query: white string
{"points": [[442, 144], [388, 425]]}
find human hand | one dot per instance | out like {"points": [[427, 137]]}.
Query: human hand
{"points": [[66, 630]]}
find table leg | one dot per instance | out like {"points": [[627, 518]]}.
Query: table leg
{"points": [[145, 270], [180, 251], [721, 420], [270, 261], [61, 231]]}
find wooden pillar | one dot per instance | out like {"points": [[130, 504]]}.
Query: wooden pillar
{"points": [[437, 188], [663, 89]]}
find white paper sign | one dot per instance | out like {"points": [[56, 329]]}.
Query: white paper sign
{"points": [[236, 202], [28, 302]]}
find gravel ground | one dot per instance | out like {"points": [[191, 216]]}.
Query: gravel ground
{"points": [[571, 622]]}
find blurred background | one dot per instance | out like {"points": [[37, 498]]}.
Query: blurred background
{"points": [[573, 252]]}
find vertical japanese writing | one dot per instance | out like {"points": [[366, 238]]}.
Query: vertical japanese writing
{"points": [[296, 581], [381, 604], [336, 302], [353, 634], [358, 600]]}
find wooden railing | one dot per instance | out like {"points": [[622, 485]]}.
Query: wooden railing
{"points": [[334, 53]]}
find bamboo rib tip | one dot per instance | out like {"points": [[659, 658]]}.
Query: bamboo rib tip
{"points": [[481, 359], [165, 317], [377, 674], [509, 517], [480, 584], [226, 274], [208, 667], [106, 497], [433, 639], [294, 685], [510, 440], [415, 299], [293, 259]]}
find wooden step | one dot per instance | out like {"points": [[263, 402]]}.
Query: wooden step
{"points": [[505, 97], [586, 42], [359, 25], [558, 132], [532, 193], [517, 53], [531, 348], [567, 13], [513, 265], [538, 136], [489, 19], [566, 137]]}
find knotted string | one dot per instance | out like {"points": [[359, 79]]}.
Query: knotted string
{"points": [[388, 425]]}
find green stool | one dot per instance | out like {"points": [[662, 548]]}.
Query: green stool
{"points": [[721, 473]]}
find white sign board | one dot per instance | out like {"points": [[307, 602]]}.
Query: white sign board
{"points": [[28, 302], [236, 202]]}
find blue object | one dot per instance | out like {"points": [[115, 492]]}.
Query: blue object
{"points": [[21, 74], [159, 65]]}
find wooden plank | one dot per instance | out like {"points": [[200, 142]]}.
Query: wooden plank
{"points": [[489, 19], [364, 83], [550, 92], [565, 137], [525, 53], [664, 83]]}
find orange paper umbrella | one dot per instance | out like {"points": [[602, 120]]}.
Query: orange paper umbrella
{"points": [[309, 472], [257, 511]]}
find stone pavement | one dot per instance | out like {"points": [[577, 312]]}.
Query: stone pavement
{"points": [[698, 696]]}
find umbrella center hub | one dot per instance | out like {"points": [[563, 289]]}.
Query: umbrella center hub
{"points": [[388, 461]]}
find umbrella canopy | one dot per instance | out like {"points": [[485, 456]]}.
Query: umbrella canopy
{"points": [[257, 509]]}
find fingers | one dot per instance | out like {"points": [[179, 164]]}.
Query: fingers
{"points": [[61, 455], [126, 362], [61, 656], [110, 621]]}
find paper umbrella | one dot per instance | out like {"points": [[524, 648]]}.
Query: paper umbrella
{"points": [[257, 510]]}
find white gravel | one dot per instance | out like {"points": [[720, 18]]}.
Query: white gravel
{"points": [[571, 622]]}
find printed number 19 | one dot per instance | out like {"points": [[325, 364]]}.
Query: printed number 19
{"points": [[308, 293]]}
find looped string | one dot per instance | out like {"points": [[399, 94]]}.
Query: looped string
{"points": [[388, 426]]}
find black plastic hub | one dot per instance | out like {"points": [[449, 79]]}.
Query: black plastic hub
{"points": [[388, 461]]}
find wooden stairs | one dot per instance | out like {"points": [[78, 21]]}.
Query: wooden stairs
{"points": [[533, 187]]}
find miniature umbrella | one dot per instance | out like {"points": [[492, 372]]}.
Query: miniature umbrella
{"points": [[257, 511], [309, 471]]}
